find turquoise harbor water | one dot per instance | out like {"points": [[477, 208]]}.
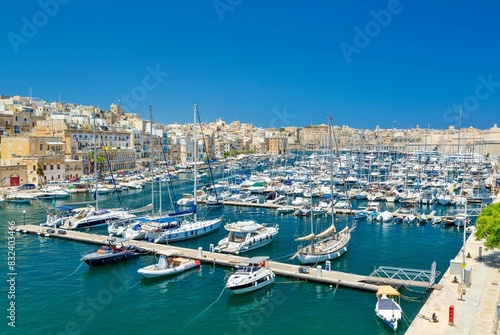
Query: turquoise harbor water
{"points": [[56, 294]]}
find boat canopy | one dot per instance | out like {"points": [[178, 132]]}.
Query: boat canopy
{"points": [[243, 226], [387, 290]]}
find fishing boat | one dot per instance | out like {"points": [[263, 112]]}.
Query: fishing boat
{"points": [[168, 266], [110, 253], [250, 276], [245, 236], [387, 307]]}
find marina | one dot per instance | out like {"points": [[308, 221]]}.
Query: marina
{"points": [[392, 247], [307, 273]]}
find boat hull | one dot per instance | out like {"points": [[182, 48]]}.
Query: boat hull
{"points": [[245, 287], [185, 232], [152, 271], [318, 258], [95, 260], [238, 248]]}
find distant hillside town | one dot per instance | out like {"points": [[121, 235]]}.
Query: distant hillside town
{"points": [[43, 141]]}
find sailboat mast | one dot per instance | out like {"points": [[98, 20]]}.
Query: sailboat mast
{"points": [[195, 159], [160, 148], [330, 145], [95, 165], [152, 156]]}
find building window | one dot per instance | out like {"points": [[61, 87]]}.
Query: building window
{"points": [[41, 146], [58, 166], [52, 166], [44, 167], [34, 167], [17, 119]]}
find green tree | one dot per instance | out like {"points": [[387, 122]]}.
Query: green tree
{"points": [[40, 174], [488, 226], [100, 162]]}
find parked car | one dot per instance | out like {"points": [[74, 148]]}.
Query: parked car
{"points": [[24, 187]]}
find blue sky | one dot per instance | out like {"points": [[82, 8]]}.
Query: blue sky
{"points": [[269, 63]]}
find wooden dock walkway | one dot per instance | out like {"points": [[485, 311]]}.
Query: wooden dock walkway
{"points": [[304, 273]]}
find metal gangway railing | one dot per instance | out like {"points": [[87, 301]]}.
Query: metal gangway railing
{"points": [[406, 276]]}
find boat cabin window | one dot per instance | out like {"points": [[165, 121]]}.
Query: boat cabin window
{"points": [[248, 269], [239, 237]]}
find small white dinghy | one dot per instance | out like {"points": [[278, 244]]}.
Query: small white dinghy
{"points": [[168, 266], [387, 307]]}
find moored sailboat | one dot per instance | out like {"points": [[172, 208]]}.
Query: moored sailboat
{"points": [[187, 229], [328, 244]]}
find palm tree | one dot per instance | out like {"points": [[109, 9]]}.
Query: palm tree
{"points": [[40, 174], [100, 162]]}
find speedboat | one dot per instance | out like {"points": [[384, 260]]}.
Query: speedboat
{"points": [[387, 307], [90, 217], [168, 266], [110, 254], [285, 209], [250, 276], [361, 215], [186, 200], [57, 216], [385, 216], [20, 197], [317, 210], [245, 236], [305, 210]]}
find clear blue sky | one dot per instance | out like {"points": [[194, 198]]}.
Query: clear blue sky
{"points": [[270, 63]]}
